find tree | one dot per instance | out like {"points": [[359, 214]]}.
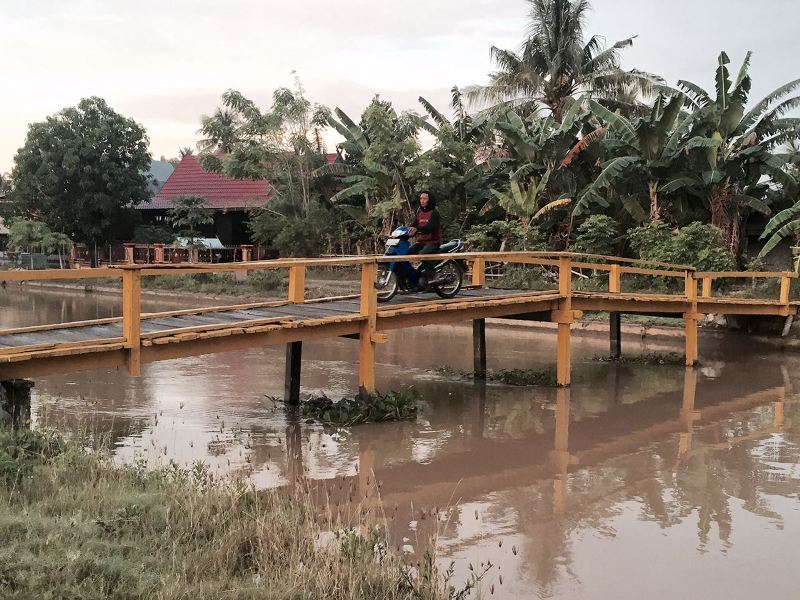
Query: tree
{"points": [[189, 216], [646, 153], [377, 155], [81, 172], [733, 153], [30, 235], [5, 185], [556, 63], [283, 144]]}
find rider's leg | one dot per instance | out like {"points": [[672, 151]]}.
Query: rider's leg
{"points": [[427, 266]]}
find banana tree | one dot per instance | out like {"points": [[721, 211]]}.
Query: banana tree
{"points": [[646, 155], [733, 162]]}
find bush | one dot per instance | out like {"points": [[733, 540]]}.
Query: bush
{"points": [[153, 234], [490, 237], [599, 234], [696, 244]]}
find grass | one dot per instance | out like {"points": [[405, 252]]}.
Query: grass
{"points": [[391, 406], [76, 526], [515, 377]]}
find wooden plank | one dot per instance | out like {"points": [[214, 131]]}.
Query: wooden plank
{"points": [[57, 326], [207, 327], [33, 350]]}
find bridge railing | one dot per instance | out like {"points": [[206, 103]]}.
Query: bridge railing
{"points": [[565, 266]]}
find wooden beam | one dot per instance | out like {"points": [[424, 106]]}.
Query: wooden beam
{"points": [[59, 274], [707, 281], [786, 287], [615, 334], [131, 318], [563, 342]]}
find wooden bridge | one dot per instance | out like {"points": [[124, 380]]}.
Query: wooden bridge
{"points": [[135, 338]]}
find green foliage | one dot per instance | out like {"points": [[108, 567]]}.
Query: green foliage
{"points": [[34, 235], [392, 406], [523, 377], [153, 234], [651, 358], [297, 233], [599, 234], [188, 217], [81, 172], [505, 235], [258, 282], [697, 244], [21, 450]]}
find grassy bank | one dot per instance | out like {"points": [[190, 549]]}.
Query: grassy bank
{"points": [[73, 525]]}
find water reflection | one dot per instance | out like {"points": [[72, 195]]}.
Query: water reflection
{"points": [[638, 482]]}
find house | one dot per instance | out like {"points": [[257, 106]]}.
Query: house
{"points": [[228, 199]]}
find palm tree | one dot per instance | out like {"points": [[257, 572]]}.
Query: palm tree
{"points": [[221, 131], [555, 63]]}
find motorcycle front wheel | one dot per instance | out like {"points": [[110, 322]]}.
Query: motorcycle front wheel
{"points": [[385, 283], [449, 278]]}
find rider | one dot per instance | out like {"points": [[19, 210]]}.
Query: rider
{"points": [[427, 227]]}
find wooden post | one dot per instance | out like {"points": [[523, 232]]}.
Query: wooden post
{"points": [[479, 272], [786, 287], [706, 293], [129, 248], [690, 318], [479, 348], [247, 250], [297, 284], [615, 334], [563, 357], [614, 280], [366, 347], [615, 320], [159, 253], [131, 317], [291, 384], [15, 399]]}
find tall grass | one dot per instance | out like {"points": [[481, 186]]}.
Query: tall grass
{"points": [[74, 525]]}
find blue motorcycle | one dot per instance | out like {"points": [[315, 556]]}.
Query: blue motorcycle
{"points": [[404, 277]]}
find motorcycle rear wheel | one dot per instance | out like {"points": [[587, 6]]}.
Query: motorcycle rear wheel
{"points": [[449, 277], [385, 283]]}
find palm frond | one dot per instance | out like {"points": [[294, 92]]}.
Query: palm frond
{"points": [[584, 143]]}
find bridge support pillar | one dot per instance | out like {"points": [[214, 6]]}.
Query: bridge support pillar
{"points": [[615, 334], [15, 402], [563, 354], [479, 348], [690, 322], [366, 363], [291, 388]]}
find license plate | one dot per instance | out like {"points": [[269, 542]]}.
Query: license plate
{"points": [[392, 242]]}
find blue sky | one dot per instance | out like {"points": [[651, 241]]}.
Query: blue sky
{"points": [[166, 63]]}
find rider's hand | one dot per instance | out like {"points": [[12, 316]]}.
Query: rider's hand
{"points": [[412, 230]]}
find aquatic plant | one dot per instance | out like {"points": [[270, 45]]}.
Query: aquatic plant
{"points": [[378, 407]]}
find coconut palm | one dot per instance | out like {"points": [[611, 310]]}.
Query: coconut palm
{"points": [[555, 63]]}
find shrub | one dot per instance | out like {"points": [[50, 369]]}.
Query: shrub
{"points": [[599, 234], [489, 237], [696, 244]]}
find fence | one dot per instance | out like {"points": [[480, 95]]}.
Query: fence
{"points": [[155, 254]]}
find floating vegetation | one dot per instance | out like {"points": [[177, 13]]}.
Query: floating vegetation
{"points": [[651, 358], [524, 377], [391, 406], [516, 377]]}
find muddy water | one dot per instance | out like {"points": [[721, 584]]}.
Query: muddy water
{"points": [[639, 482]]}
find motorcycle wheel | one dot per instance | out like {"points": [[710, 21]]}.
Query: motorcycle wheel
{"points": [[450, 278], [385, 283]]}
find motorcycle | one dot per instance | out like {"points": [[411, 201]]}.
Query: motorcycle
{"points": [[403, 277]]}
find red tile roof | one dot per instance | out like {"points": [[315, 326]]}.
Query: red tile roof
{"points": [[220, 192]]}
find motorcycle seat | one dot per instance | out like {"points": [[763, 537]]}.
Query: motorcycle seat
{"points": [[450, 246]]}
